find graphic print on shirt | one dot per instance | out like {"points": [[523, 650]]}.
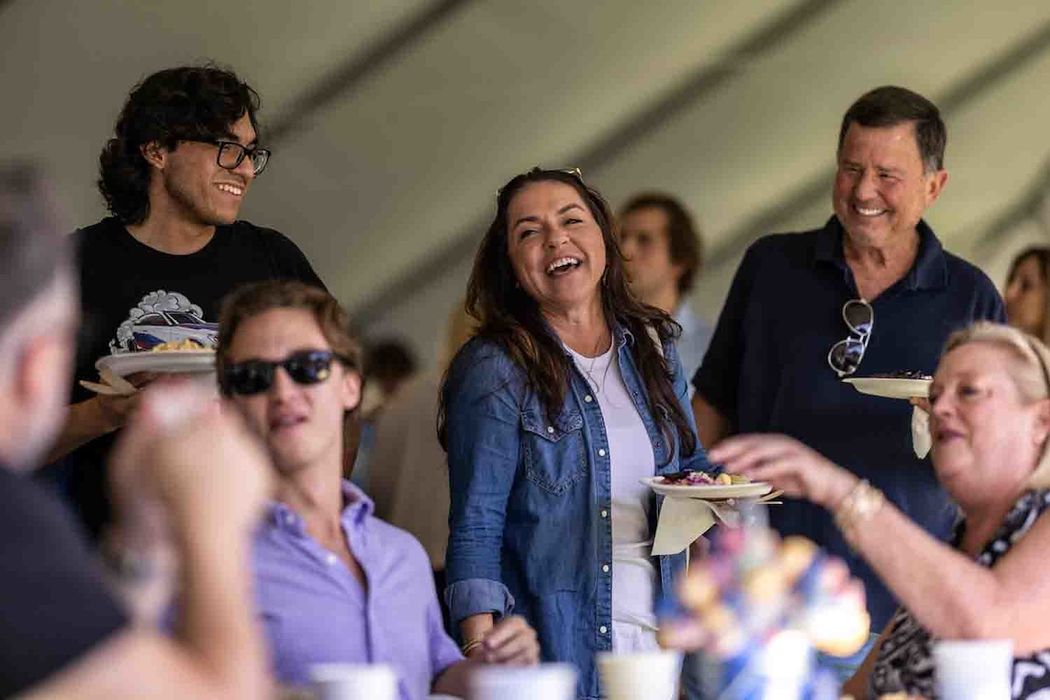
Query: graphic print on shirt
{"points": [[163, 317]]}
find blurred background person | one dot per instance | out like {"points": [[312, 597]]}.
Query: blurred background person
{"points": [[569, 394], [990, 418], [389, 363], [1026, 295], [333, 582], [183, 157], [408, 469], [663, 254], [65, 632]]}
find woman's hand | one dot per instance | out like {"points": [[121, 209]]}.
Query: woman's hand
{"points": [[511, 641], [788, 465]]}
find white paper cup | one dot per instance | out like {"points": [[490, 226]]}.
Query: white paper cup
{"points": [[354, 682], [542, 682], [974, 669], [652, 675]]}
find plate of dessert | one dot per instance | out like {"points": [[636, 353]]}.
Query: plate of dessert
{"points": [[181, 357], [896, 385], [696, 484]]}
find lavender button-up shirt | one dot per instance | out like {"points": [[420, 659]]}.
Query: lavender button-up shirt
{"points": [[315, 611]]}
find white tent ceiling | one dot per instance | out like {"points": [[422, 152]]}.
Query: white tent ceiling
{"points": [[394, 122]]}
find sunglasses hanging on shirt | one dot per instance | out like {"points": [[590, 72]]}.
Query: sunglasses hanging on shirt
{"points": [[845, 356]]}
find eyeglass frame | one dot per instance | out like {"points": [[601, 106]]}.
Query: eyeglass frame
{"points": [[244, 151], [855, 336]]}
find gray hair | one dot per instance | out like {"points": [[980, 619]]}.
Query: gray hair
{"points": [[33, 251], [1030, 372]]}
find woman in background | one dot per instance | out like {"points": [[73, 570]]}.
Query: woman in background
{"points": [[1026, 295]]}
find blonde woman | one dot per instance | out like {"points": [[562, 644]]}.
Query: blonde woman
{"points": [[990, 417]]}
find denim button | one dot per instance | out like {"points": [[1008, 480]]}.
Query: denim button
{"points": [[550, 429], [605, 514], [588, 398], [605, 568], [603, 629], [601, 453]]}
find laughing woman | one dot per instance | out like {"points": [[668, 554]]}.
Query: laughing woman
{"points": [[570, 394]]}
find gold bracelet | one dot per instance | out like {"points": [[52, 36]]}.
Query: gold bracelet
{"points": [[859, 506], [471, 645]]}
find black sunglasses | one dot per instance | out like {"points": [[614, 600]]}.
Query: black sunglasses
{"points": [[845, 355], [231, 154], [256, 376]]}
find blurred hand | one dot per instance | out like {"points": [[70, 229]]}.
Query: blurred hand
{"points": [[182, 458], [511, 641], [115, 411], [788, 465], [920, 402]]}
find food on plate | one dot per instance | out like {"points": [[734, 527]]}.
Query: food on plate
{"points": [[903, 374], [703, 479], [184, 344]]}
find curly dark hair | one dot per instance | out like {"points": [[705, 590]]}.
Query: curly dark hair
{"points": [[512, 319], [172, 105]]}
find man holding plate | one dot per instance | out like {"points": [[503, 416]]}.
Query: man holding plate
{"points": [[184, 154], [872, 292]]}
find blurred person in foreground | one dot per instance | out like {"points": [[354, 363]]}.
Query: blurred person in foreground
{"points": [[333, 582], [569, 394], [872, 292], [185, 476], [408, 474], [184, 155], [989, 419], [663, 253], [1026, 294]]}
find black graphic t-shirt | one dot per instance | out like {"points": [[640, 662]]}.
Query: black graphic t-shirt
{"points": [[133, 297]]}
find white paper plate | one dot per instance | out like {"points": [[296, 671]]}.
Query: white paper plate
{"points": [[713, 492], [170, 362], [890, 387]]}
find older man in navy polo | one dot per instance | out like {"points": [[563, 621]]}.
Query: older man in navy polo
{"points": [[771, 367]]}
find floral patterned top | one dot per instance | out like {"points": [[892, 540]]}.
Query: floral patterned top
{"points": [[905, 661]]}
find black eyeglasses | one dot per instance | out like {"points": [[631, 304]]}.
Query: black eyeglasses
{"points": [[231, 154], [256, 376], [845, 355]]}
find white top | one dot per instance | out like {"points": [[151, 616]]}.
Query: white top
{"points": [[631, 457]]}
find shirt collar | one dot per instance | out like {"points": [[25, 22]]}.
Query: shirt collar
{"points": [[358, 507], [929, 271]]}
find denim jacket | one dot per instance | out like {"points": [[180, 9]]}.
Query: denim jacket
{"points": [[530, 520]]}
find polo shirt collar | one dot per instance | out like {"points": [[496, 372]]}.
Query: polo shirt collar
{"points": [[929, 271]]}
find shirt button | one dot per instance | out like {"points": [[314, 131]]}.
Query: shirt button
{"points": [[289, 518], [601, 453], [331, 559], [603, 629], [588, 398], [605, 514], [605, 568], [550, 429]]}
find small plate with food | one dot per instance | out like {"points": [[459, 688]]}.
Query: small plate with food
{"points": [[182, 357], [696, 484], [897, 385]]}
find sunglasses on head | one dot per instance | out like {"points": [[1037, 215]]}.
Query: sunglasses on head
{"points": [[256, 376], [845, 355]]}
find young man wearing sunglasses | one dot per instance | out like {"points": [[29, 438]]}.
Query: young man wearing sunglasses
{"points": [[872, 292], [184, 154], [333, 582]]}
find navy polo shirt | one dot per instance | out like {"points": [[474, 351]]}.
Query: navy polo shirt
{"points": [[767, 371]]}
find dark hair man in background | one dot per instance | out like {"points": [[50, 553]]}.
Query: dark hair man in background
{"points": [[184, 155], [871, 292], [65, 633], [663, 253]]}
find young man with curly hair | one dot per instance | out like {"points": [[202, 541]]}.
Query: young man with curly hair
{"points": [[184, 154]]}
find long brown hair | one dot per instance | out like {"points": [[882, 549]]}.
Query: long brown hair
{"points": [[510, 318]]}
